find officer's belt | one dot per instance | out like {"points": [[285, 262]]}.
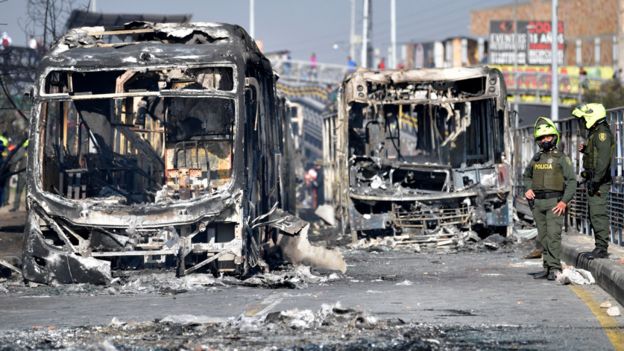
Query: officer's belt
{"points": [[541, 195]]}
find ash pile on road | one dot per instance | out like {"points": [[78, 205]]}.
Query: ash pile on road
{"points": [[289, 277], [333, 327], [165, 282]]}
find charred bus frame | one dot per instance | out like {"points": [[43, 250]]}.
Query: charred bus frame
{"points": [[151, 145], [420, 152]]}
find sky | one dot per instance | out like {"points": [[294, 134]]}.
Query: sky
{"points": [[302, 26]]}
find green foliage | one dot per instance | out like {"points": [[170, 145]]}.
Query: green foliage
{"points": [[610, 94]]}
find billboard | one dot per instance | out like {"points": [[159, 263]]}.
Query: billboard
{"points": [[530, 45]]}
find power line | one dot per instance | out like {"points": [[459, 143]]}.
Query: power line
{"points": [[458, 11], [306, 41]]}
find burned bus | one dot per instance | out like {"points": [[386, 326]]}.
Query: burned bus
{"points": [[422, 153], [155, 145]]}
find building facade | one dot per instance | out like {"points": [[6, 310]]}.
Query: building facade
{"points": [[590, 26]]}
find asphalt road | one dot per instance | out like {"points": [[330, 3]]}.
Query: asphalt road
{"points": [[489, 293]]}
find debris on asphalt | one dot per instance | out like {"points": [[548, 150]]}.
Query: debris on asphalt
{"points": [[575, 276], [613, 311], [327, 315], [116, 322], [404, 283], [494, 241], [332, 327], [166, 283], [524, 234], [605, 304], [526, 263], [297, 278], [327, 214], [5, 265], [299, 251], [188, 320]]}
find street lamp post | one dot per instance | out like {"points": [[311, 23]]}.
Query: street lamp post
{"points": [[365, 34], [393, 57], [554, 48], [252, 19]]}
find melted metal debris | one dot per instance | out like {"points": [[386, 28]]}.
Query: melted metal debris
{"points": [[456, 241], [289, 277]]}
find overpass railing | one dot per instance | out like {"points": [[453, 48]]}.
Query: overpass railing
{"points": [[531, 86], [572, 133], [305, 72], [20, 63]]}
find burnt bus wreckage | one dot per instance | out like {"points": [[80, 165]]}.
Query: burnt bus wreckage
{"points": [[427, 153], [156, 145]]}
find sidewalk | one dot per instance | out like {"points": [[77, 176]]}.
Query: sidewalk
{"points": [[609, 273]]}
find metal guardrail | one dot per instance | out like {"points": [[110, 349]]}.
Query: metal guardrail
{"points": [[20, 64], [572, 134], [316, 92], [305, 72]]}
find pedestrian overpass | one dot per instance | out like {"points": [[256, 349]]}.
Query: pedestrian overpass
{"points": [[530, 86]]}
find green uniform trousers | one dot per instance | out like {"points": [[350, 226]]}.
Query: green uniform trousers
{"points": [[548, 231], [598, 216]]}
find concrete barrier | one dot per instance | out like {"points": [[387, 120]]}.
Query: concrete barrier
{"points": [[609, 273]]}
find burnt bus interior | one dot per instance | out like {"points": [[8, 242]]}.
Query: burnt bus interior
{"points": [[129, 135], [425, 140]]}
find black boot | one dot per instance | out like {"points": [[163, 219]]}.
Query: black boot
{"points": [[552, 274], [597, 253], [600, 253], [540, 275]]}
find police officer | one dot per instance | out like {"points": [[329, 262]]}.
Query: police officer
{"points": [[597, 154], [550, 181]]}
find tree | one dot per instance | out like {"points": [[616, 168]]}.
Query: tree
{"points": [[610, 94], [46, 18]]}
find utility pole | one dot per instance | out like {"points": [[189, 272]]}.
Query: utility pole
{"points": [[352, 32], [393, 57], [515, 74], [365, 43], [252, 18], [554, 48], [367, 29], [620, 38], [45, 24]]}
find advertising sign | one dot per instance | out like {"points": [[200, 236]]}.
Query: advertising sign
{"points": [[530, 45]]}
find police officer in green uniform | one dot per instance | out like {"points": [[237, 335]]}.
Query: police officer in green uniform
{"points": [[597, 155], [550, 181]]}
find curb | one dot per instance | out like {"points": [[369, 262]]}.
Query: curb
{"points": [[608, 274]]}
